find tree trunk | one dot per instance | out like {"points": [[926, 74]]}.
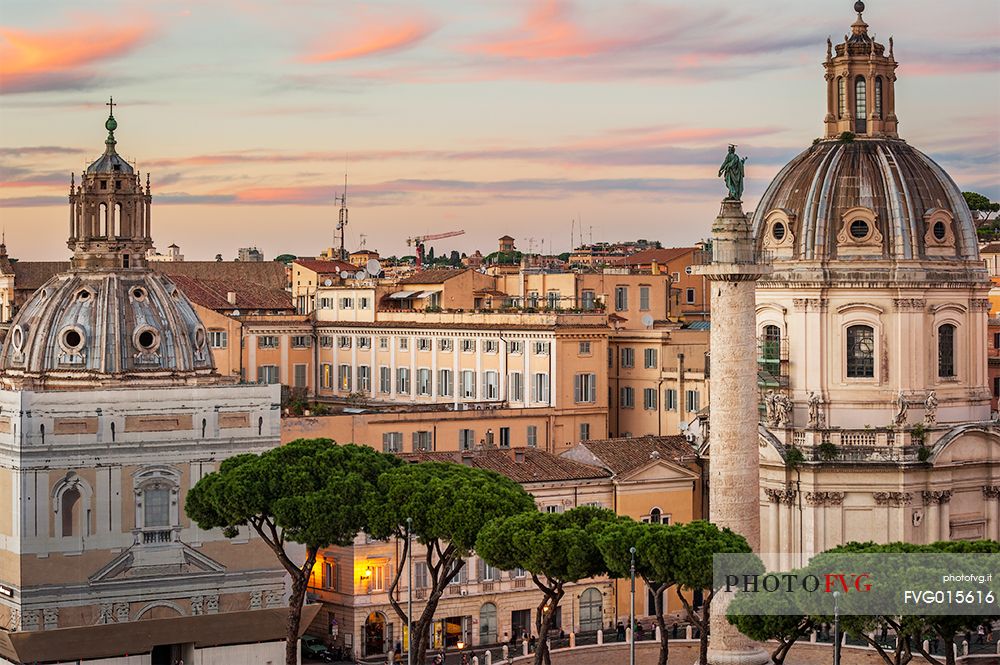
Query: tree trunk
{"points": [[299, 583], [706, 617], [660, 621]]}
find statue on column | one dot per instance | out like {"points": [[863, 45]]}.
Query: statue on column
{"points": [[817, 419], [732, 171], [782, 410], [930, 408], [902, 406], [769, 407]]}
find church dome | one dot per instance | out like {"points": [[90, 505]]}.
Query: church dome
{"points": [[109, 320], [865, 199]]}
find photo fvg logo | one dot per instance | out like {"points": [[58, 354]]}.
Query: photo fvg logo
{"points": [[790, 582]]}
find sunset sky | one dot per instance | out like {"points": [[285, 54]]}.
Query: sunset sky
{"points": [[494, 117]]}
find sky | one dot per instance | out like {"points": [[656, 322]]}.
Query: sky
{"points": [[523, 117]]}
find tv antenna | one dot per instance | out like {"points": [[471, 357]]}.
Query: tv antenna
{"points": [[342, 221]]}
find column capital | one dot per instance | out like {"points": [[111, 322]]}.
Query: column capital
{"points": [[936, 497], [825, 498], [991, 491], [892, 498]]}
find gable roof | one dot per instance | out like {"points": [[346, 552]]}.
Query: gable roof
{"points": [[623, 455], [663, 255], [538, 466], [433, 276], [324, 267], [269, 274], [214, 294]]}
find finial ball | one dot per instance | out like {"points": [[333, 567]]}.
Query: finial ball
{"points": [[111, 125], [859, 6]]}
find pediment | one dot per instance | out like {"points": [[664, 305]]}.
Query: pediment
{"points": [[659, 470], [168, 560]]}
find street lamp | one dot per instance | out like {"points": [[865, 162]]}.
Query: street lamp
{"points": [[409, 592], [631, 616], [836, 629]]}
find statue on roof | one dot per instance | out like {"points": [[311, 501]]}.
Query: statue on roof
{"points": [[732, 171]]}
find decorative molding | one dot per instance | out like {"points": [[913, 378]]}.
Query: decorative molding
{"points": [[256, 599], [935, 497], [991, 491], [29, 620], [14, 622], [212, 604], [121, 612], [909, 304], [825, 498], [50, 617], [197, 605], [106, 614], [807, 304], [784, 495], [979, 304], [892, 498], [274, 599]]}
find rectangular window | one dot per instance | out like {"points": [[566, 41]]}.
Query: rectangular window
{"points": [[326, 376], [649, 358], [218, 339], [689, 296], [491, 384], [384, 380], [626, 398], [344, 378], [468, 384], [364, 378], [585, 388], [532, 436], [670, 397], [299, 379], [649, 399], [267, 374], [301, 342], [329, 580], [627, 357], [552, 299], [491, 346], [540, 388], [392, 442], [344, 342], [446, 344], [515, 387], [347, 303], [585, 431], [587, 300], [403, 381], [584, 349], [326, 303], [466, 439], [326, 341], [364, 303], [156, 508], [468, 345], [423, 381], [505, 437], [445, 383], [383, 342], [404, 343], [364, 342], [691, 397], [541, 348], [423, 344], [556, 508], [422, 442], [516, 348], [621, 298], [420, 578], [267, 342], [644, 298]]}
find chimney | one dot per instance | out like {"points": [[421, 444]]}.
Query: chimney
{"points": [[231, 297], [654, 267]]}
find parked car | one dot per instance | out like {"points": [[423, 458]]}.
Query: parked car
{"points": [[313, 648]]}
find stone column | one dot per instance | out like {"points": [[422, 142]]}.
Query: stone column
{"points": [[734, 474], [991, 496], [773, 527], [933, 528], [945, 515]]}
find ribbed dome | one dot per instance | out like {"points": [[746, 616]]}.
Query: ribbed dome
{"points": [[865, 199], [106, 327]]}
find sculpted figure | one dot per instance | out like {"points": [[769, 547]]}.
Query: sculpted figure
{"points": [[732, 171], [930, 408]]}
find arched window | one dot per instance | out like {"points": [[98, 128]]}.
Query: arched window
{"points": [[841, 97], [591, 610], [860, 105], [156, 506], [70, 507], [117, 222], [488, 624], [860, 352], [878, 97], [654, 516], [102, 230], [946, 350]]}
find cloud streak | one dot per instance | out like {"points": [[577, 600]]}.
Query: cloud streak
{"points": [[373, 38]]}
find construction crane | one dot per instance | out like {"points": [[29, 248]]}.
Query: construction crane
{"points": [[418, 242]]}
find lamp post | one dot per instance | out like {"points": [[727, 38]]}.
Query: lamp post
{"points": [[631, 615], [409, 592], [836, 629]]}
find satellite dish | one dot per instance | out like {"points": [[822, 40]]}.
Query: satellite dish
{"points": [[373, 267], [327, 282], [236, 312], [647, 320], [361, 274], [344, 274], [688, 270], [683, 427]]}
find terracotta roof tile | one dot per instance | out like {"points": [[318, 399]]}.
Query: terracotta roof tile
{"points": [[269, 274], [663, 255], [323, 267], [433, 276], [214, 294], [30, 275], [538, 466], [625, 454]]}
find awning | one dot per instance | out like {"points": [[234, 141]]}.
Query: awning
{"points": [[399, 295], [425, 294]]}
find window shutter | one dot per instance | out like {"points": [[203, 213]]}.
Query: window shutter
{"points": [[578, 388]]}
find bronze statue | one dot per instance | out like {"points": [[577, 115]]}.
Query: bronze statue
{"points": [[732, 171]]}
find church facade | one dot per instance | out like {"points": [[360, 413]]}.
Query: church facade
{"points": [[876, 420], [110, 410]]}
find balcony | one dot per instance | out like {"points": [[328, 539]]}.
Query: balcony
{"points": [[869, 446]]}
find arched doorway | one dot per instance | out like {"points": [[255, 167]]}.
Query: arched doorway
{"points": [[375, 634], [591, 610]]}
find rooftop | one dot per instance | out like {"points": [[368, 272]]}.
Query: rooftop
{"points": [[324, 267], [535, 466], [214, 294], [623, 455], [433, 276]]}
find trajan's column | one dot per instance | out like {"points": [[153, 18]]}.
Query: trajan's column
{"points": [[734, 475]]}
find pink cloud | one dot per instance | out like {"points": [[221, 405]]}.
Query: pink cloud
{"points": [[33, 60], [374, 39]]}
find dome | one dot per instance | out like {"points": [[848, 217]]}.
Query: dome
{"points": [[89, 328], [110, 162], [865, 199]]}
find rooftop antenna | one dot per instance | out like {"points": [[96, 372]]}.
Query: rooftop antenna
{"points": [[342, 221], [572, 227], [591, 234], [364, 239]]}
